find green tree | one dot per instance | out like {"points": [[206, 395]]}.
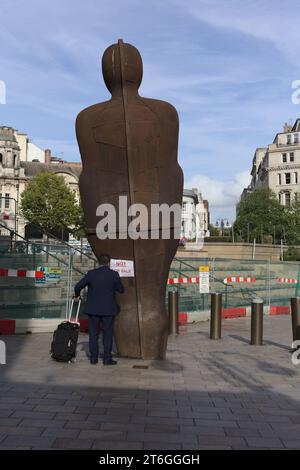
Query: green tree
{"points": [[48, 202], [214, 231], [291, 254], [292, 228], [260, 214]]}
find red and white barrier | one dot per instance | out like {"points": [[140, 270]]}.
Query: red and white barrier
{"points": [[229, 280], [183, 280], [21, 273], [287, 280], [284, 280]]}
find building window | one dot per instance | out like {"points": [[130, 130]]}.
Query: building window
{"points": [[279, 178], [279, 197], [296, 138], [295, 177], [6, 201], [284, 159], [289, 139], [291, 156], [1, 158], [288, 178], [287, 199]]}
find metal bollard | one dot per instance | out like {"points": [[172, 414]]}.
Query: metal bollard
{"points": [[215, 315], [257, 312], [295, 309], [173, 312]]}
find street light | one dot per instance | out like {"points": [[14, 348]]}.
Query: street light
{"points": [[222, 223]]}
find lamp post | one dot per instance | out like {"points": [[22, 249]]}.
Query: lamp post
{"points": [[222, 223]]}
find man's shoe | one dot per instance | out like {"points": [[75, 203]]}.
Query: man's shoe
{"points": [[94, 361], [110, 363]]}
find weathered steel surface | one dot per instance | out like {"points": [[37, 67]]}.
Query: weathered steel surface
{"points": [[128, 147]]}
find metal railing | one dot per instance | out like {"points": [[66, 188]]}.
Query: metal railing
{"points": [[36, 256], [65, 244], [266, 285], [28, 298]]}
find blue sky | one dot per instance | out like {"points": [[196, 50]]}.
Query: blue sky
{"points": [[226, 65]]}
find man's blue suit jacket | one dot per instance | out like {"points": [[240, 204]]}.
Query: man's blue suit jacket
{"points": [[102, 284]]}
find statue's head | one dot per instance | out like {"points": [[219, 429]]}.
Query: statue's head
{"points": [[132, 66]]}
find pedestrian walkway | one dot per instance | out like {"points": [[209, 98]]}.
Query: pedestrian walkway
{"points": [[207, 394]]}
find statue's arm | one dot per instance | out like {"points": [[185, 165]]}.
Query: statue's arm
{"points": [[80, 129], [85, 136]]}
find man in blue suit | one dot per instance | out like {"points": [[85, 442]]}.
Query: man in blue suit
{"points": [[101, 304]]}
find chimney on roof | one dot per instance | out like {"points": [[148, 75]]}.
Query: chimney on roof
{"points": [[47, 156], [287, 127]]}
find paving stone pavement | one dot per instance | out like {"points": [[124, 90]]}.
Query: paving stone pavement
{"points": [[207, 395]]}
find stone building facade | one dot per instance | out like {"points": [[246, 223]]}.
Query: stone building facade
{"points": [[17, 166], [277, 166], [195, 216]]}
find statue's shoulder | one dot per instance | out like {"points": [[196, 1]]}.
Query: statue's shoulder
{"points": [[88, 115], [163, 109]]}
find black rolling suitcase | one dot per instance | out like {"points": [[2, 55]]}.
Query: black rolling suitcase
{"points": [[65, 337]]}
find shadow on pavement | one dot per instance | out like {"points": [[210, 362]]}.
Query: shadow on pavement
{"points": [[206, 395]]}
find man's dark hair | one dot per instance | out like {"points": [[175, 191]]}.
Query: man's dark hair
{"points": [[104, 259]]}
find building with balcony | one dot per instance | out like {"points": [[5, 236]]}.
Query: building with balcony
{"points": [[277, 166]]}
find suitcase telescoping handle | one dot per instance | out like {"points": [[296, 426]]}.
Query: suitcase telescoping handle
{"points": [[69, 314]]}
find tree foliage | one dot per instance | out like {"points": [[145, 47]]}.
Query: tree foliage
{"points": [[292, 228], [214, 231], [48, 202], [259, 215]]}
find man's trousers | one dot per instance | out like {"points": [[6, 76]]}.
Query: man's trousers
{"points": [[108, 334]]}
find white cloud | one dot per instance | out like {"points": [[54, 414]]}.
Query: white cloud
{"points": [[221, 195], [271, 21]]}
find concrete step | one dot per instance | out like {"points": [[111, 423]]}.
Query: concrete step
{"points": [[29, 293]]}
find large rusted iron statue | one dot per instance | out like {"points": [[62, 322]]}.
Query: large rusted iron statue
{"points": [[128, 147]]}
